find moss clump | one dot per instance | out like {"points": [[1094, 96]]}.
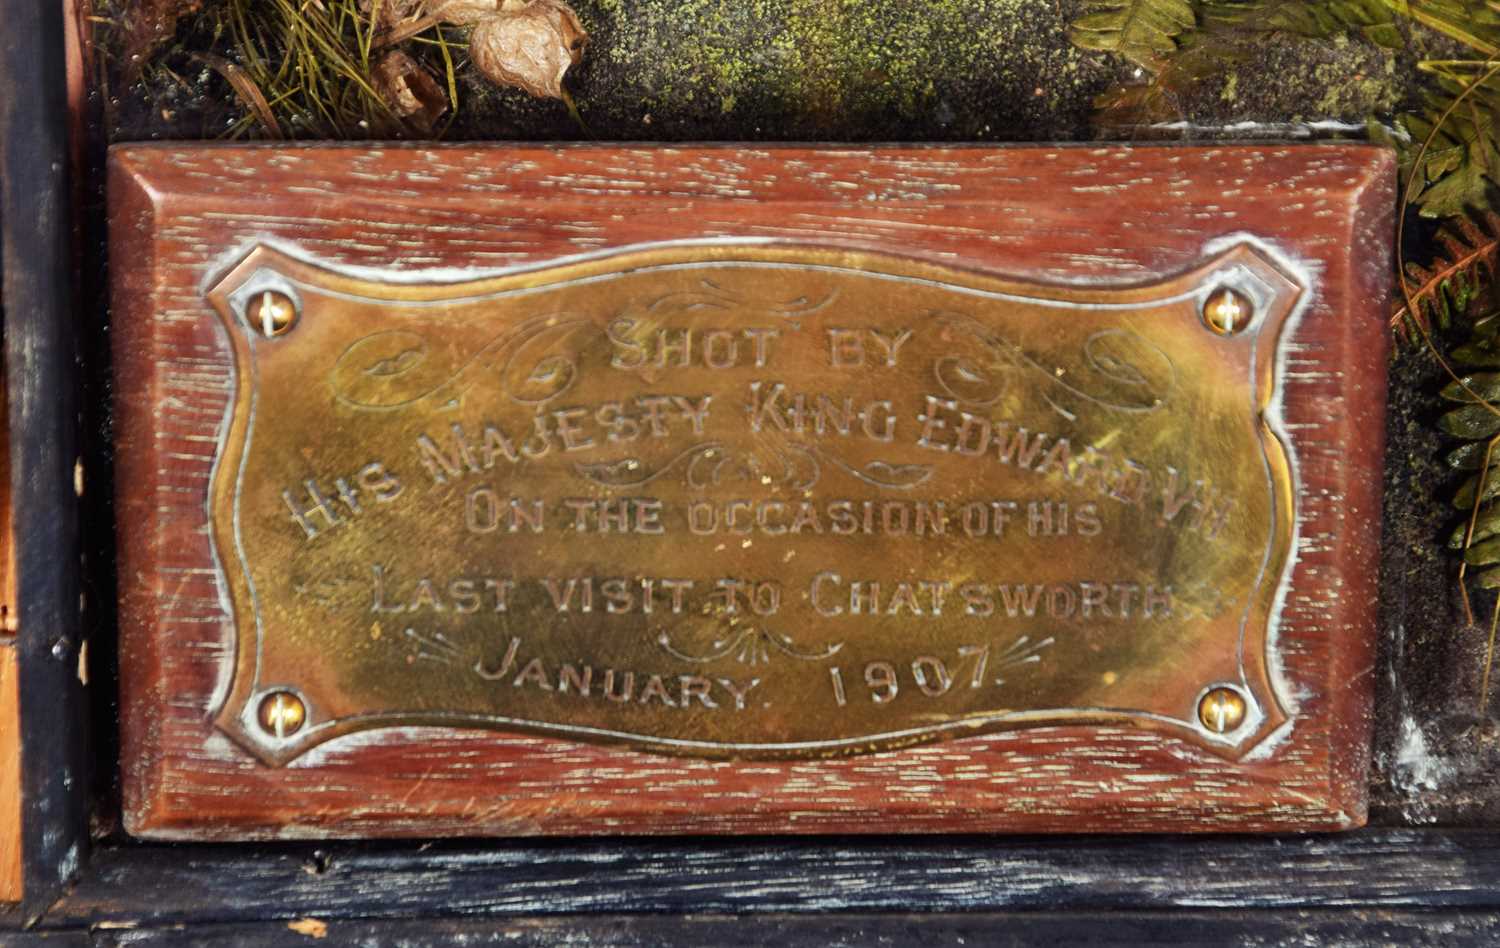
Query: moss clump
{"points": [[818, 70], [1286, 78]]}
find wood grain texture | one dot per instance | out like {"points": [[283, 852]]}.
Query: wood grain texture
{"points": [[7, 525], [10, 705], [10, 776], [38, 276], [1392, 870], [19, 939], [1204, 929], [1094, 214]]}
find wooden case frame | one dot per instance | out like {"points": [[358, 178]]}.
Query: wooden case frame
{"points": [[1424, 886], [1134, 213]]}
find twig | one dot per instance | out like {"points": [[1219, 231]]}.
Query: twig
{"points": [[1479, 487], [406, 31], [1489, 663]]}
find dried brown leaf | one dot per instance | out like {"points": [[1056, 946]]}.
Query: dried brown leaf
{"points": [[419, 17], [408, 90], [530, 46], [467, 12], [392, 13]]}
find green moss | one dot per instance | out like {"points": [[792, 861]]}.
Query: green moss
{"points": [[852, 70], [837, 68], [1354, 81]]}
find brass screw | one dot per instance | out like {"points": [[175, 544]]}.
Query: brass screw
{"points": [[1221, 710], [282, 713], [1227, 311], [272, 312]]}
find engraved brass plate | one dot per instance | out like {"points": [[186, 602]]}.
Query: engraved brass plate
{"points": [[753, 500]]}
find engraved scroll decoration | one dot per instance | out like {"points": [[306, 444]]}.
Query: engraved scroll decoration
{"points": [[751, 500]]}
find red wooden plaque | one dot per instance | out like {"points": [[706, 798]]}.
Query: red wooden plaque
{"points": [[560, 490]]}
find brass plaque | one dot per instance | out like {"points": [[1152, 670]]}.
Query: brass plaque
{"points": [[739, 499]]}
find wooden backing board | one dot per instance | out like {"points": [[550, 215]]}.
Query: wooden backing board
{"points": [[180, 215], [1099, 929]]}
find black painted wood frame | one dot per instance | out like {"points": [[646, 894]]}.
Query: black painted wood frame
{"points": [[1407, 886], [42, 375]]}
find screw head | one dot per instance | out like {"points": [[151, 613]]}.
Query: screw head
{"points": [[282, 714], [1227, 311], [1222, 710], [272, 313]]}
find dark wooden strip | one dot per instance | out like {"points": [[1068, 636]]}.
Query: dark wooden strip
{"points": [[1206, 929], [46, 940], [1390, 869], [40, 353]]}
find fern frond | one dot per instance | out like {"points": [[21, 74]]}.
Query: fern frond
{"points": [[1225, 35], [1314, 19], [1475, 23], [1131, 110], [1143, 31], [1464, 269], [1462, 164]]}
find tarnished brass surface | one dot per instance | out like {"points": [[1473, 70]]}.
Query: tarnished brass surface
{"points": [[749, 500]]}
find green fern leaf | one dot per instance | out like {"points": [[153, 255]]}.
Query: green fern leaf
{"points": [[1475, 23], [1225, 35], [1315, 19], [1486, 526], [1464, 499], [1143, 31], [1462, 161]]}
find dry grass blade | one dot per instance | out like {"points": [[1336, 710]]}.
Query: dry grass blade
{"points": [[406, 31], [315, 64], [1489, 662], [248, 92]]}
